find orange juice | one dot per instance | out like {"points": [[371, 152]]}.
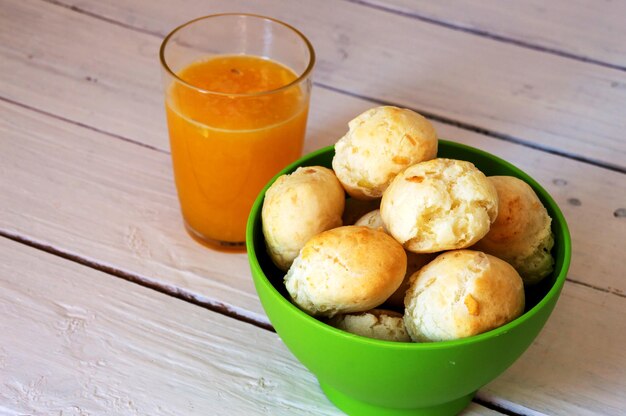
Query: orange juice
{"points": [[229, 135]]}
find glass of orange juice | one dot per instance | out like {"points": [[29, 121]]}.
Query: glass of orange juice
{"points": [[237, 90]]}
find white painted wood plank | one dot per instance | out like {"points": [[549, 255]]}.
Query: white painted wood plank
{"points": [[595, 194], [86, 204], [110, 80], [581, 350], [76, 341], [109, 201], [114, 202], [100, 180], [547, 100], [585, 28], [83, 69]]}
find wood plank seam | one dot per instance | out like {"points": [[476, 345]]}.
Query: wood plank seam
{"points": [[83, 125], [103, 18], [217, 307], [442, 119], [478, 399], [522, 412], [135, 278], [213, 306], [230, 311], [610, 290], [76, 248], [485, 398], [481, 130], [489, 35], [130, 351]]}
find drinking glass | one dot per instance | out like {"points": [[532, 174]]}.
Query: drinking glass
{"points": [[237, 89]]}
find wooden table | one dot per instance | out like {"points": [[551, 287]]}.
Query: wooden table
{"points": [[108, 307]]}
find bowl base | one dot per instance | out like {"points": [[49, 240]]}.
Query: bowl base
{"points": [[355, 407]]}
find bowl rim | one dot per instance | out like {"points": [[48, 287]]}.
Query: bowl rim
{"points": [[553, 292]]}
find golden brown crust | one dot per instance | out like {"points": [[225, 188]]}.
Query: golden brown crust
{"points": [[521, 233], [346, 269], [414, 260], [440, 204], [462, 293], [297, 207], [380, 143]]}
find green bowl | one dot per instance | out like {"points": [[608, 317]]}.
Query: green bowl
{"points": [[364, 376]]}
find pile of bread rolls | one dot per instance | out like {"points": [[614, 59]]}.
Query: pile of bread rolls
{"points": [[422, 249]]}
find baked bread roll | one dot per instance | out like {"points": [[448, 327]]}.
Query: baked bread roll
{"points": [[414, 261], [521, 233], [380, 143], [440, 204], [376, 323], [346, 269], [462, 293], [297, 207]]}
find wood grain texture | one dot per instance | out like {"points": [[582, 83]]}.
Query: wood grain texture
{"points": [[65, 182], [588, 196], [118, 206], [76, 340], [549, 101], [83, 69], [581, 350], [112, 203], [583, 28]]}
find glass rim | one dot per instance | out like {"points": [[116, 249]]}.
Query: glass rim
{"points": [[300, 78]]}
